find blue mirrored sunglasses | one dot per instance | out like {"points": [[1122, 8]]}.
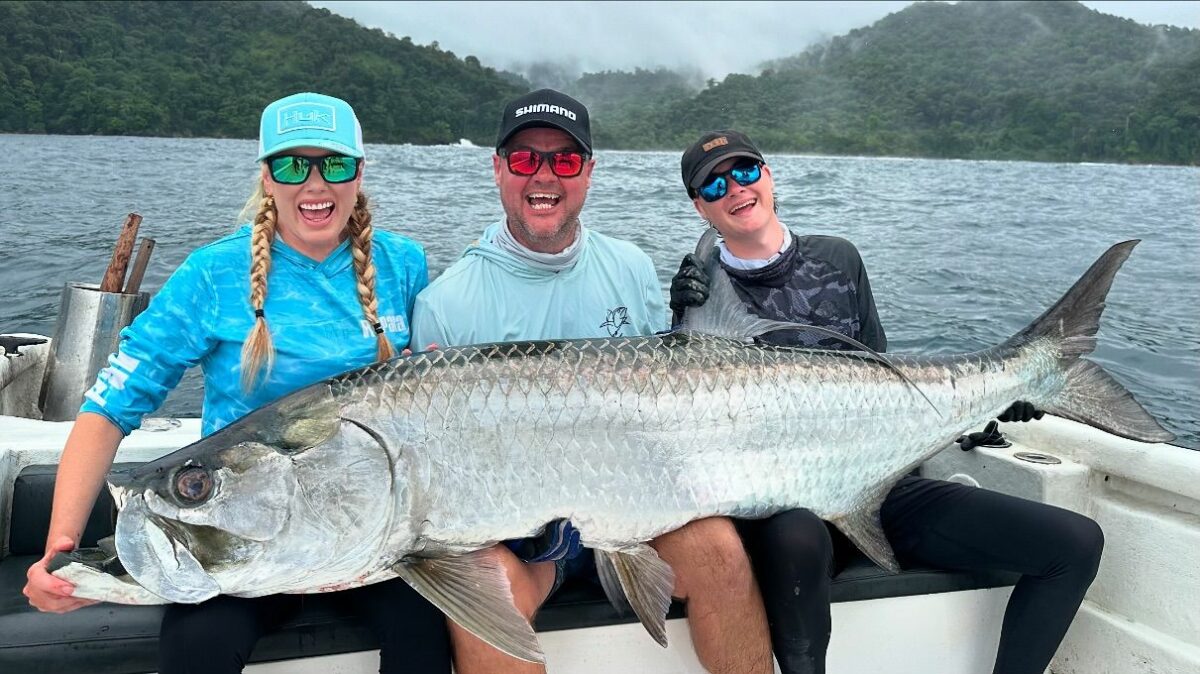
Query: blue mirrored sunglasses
{"points": [[717, 186]]}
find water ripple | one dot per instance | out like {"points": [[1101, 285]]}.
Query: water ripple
{"points": [[962, 254]]}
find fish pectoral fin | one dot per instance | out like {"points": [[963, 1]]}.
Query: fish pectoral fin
{"points": [[864, 528], [645, 581], [473, 591]]}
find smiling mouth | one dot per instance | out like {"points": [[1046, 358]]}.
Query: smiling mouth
{"points": [[316, 212], [542, 201], [742, 206]]}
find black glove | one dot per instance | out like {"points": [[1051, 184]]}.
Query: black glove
{"points": [[689, 287], [988, 437], [1021, 411]]}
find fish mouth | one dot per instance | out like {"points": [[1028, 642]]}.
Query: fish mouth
{"points": [[97, 574], [102, 558], [120, 487], [152, 554]]}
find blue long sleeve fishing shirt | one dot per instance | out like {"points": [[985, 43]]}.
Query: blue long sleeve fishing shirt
{"points": [[489, 295], [202, 316]]}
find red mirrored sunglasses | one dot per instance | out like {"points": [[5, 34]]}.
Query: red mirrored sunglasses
{"points": [[529, 162]]}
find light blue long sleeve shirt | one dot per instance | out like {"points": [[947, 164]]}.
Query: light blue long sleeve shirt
{"points": [[202, 316], [489, 295]]}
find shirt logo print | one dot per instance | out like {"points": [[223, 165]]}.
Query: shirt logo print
{"points": [[112, 377], [306, 116], [617, 319]]}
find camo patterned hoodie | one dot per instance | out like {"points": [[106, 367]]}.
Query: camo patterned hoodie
{"points": [[818, 280]]}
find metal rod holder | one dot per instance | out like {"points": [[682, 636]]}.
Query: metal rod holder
{"points": [[87, 332]]}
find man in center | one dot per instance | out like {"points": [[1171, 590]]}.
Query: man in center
{"points": [[540, 274]]}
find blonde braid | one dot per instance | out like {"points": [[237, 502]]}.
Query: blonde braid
{"points": [[258, 349], [360, 231]]}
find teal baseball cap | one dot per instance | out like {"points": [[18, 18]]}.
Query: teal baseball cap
{"points": [[309, 120]]}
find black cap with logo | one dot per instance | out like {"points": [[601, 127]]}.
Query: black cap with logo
{"points": [[546, 108], [713, 148]]}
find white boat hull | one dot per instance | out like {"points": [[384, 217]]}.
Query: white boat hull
{"points": [[948, 633], [1142, 613]]}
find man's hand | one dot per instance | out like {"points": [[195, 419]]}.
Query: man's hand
{"points": [[559, 540], [1021, 411], [689, 286]]}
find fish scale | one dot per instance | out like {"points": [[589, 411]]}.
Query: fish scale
{"points": [[715, 437]]}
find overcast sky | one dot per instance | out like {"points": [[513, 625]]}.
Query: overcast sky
{"points": [[715, 38]]}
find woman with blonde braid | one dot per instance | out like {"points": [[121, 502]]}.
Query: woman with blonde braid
{"points": [[285, 301]]}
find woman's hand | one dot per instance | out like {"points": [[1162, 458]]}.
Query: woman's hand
{"points": [[47, 593], [408, 352]]}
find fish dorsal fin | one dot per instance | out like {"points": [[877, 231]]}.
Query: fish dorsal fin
{"points": [[646, 581], [725, 315], [473, 591]]}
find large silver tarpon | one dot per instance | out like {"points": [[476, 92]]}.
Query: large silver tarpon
{"points": [[415, 467]]}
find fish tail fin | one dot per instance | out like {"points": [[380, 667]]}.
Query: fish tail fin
{"points": [[1090, 395]]}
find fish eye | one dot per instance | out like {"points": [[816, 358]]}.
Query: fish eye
{"points": [[194, 484]]}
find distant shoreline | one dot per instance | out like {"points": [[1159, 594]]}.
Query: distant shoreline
{"points": [[767, 150]]}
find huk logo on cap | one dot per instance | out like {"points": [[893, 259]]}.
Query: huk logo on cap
{"points": [[306, 116], [715, 142], [545, 107]]}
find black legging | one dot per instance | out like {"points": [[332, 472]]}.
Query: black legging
{"points": [[943, 525], [217, 636]]}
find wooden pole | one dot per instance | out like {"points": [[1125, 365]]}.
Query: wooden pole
{"points": [[139, 267], [114, 276]]}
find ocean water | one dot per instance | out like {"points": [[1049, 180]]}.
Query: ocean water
{"points": [[961, 254]]}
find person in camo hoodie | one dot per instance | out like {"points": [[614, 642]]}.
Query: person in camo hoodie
{"points": [[818, 280]]}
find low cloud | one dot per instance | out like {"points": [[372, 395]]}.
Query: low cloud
{"points": [[713, 38]]}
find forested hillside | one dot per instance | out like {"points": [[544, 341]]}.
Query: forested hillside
{"points": [[208, 68], [999, 80], [1009, 80]]}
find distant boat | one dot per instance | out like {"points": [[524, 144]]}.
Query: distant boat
{"points": [[463, 142]]}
